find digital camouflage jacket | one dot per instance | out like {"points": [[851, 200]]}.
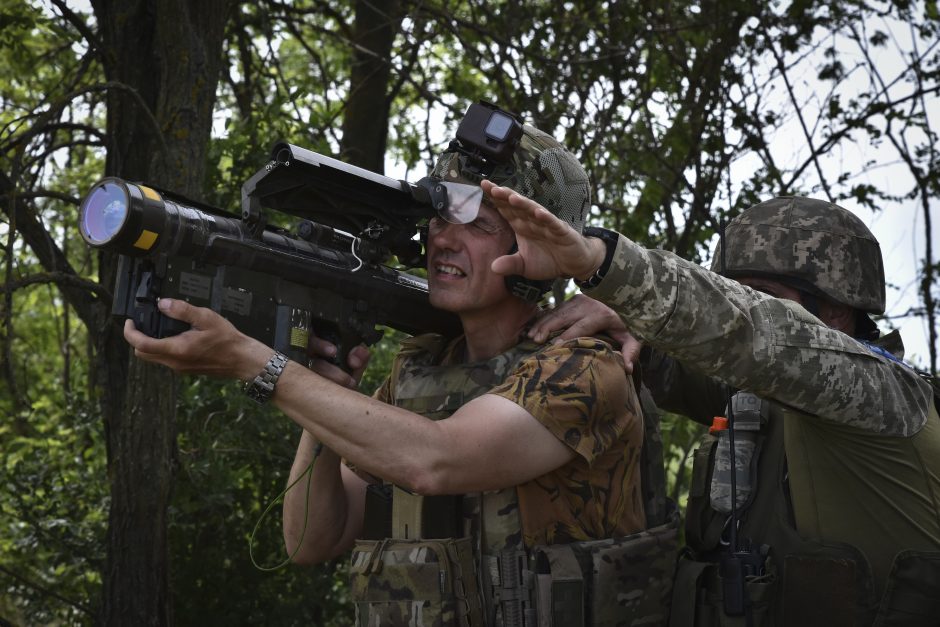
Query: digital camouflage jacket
{"points": [[852, 451]]}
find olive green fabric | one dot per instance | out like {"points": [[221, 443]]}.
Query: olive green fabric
{"points": [[835, 477], [766, 525], [840, 475]]}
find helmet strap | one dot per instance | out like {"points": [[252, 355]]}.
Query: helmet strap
{"points": [[865, 327], [529, 290], [810, 302]]}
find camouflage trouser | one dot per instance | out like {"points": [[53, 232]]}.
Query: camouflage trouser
{"points": [[426, 583]]}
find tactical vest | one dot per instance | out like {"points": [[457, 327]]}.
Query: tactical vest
{"points": [[786, 481], [603, 582]]}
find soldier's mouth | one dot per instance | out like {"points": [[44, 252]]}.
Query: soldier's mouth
{"points": [[449, 270]]}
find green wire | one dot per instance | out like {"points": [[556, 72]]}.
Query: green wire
{"points": [[308, 473]]}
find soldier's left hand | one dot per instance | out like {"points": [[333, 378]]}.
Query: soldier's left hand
{"points": [[213, 346], [323, 354], [582, 316]]}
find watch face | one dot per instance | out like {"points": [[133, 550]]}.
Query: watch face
{"points": [[259, 390]]}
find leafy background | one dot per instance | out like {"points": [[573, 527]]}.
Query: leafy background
{"points": [[129, 496]]}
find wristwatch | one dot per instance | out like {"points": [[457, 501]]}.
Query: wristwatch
{"points": [[610, 240], [261, 388]]}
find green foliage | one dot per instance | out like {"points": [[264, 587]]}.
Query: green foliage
{"points": [[680, 438], [234, 458], [380, 362], [54, 500], [662, 102], [54, 510]]}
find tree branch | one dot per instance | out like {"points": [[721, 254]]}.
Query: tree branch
{"points": [[799, 114], [48, 253], [46, 591], [61, 279], [75, 20]]}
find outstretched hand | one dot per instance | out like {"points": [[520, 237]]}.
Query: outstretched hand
{"points": [[213, 346], [548, 247]]}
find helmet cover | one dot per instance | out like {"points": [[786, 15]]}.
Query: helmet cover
{"points": [[540, 169], [812, 242]]}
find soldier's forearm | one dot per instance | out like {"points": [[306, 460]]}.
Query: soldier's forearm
{"points": [[316, 507]]}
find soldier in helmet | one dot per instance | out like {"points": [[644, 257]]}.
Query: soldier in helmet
{"points": [[477, 449], [834, 515]]}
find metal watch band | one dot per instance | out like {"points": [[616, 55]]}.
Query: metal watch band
{"points": [[610, 240], [261, 388]]}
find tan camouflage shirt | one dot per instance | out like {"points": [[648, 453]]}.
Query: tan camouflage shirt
{"points": [[578, 390], [751, 341]]}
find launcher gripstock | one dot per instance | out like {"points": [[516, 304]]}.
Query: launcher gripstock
{"points": [[272, 285]]}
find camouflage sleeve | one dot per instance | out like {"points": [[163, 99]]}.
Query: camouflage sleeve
{"points": [[579, 391], [751, 341]]}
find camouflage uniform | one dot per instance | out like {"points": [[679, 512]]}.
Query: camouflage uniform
{"points": [[576, 390], [579, 392], [570, 548], [847, 482]]}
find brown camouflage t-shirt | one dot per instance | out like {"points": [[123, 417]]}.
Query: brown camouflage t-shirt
{"points": [[579, 391]]}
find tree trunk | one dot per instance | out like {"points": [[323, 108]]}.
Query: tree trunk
{"points": [[365, 123], [167, 56]]}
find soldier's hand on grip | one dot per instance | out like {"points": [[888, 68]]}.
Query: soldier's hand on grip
{"points": [[323, 354], [212, 346]]}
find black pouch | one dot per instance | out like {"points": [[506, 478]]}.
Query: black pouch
{"points": [[601, 583], [912, 594], [698, 597]]}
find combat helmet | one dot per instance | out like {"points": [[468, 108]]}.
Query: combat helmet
{"points": [[811, 244], [540, 168], [532, 163]]}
